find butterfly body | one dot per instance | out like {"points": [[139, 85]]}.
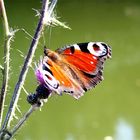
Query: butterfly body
{"points": [[73, 69]]}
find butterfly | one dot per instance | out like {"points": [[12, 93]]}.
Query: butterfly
{"points": [[73, 69]]}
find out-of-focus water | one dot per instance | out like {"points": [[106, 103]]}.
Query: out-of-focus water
{"points": [[124, 131], [109, 112]]}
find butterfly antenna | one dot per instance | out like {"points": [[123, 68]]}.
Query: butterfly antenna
{"points": [[50, 35], [44, 41], [49, 32], [45, 48]]}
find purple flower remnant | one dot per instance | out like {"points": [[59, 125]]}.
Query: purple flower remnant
{"points": [[42, 91], [39, 73]]}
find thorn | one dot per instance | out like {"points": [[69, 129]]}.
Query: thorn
{"points": [[27, 93], [37, 12], [1, 67], [17, 107]]}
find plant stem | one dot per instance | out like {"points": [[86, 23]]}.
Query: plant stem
{"points": [[4, 15], [44, 20], [8, 37], [27, 63], [23, 119]]}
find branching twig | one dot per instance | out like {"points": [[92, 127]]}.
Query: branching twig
{"points": [[8, 37]]}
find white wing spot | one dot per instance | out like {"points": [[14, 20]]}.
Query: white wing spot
{"points": [[76, 47], [94, 57], [90, 48], [91, 62]]}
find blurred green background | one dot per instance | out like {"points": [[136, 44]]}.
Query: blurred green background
{"points": [[111, 110]]}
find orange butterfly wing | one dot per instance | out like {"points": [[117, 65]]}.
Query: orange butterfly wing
{"points": [[64, 74], [83, 61]]}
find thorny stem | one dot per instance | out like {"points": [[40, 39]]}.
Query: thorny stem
{"points": [[25, 67], [42, 22], [8, 37]]}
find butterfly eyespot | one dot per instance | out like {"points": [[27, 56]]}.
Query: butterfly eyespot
{"points": [[103, 44], [48, 77], [44, 67], [96, 47]]}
